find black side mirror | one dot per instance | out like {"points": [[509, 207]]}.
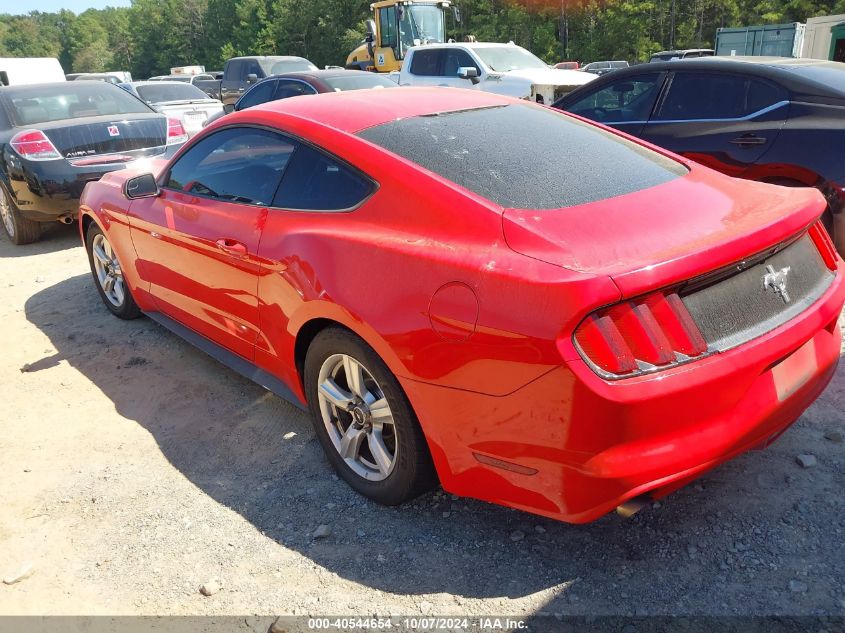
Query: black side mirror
{"points": [[469, 72], [251, 78], [143, 186]]}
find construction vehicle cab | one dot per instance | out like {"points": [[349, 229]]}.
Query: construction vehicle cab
{"points": [[396, 27]]}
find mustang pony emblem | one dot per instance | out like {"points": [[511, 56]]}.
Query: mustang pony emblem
{"points": [[775, 280]]}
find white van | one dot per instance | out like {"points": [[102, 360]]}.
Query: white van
{"points": [[30, 70]]}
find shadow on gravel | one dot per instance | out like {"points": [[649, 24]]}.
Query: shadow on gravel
{"points": [[729, 544], [54, 237]]}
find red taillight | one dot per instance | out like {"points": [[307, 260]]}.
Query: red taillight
{"points": [[822, 240], [34, 145], [175, 132], [655, 331]]}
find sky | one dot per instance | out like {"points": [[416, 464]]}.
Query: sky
{"points": [[77, 6]]}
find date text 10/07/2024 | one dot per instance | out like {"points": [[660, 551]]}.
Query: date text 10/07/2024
{"points": [[419, 623]]}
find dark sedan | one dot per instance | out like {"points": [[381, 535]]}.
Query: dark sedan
{"points": [[308, 83], [775, 120], [55, 138]]}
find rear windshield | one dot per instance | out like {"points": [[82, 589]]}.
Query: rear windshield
{"points": [[43, 103], [359, 82], [525, 156], [170, 91]]}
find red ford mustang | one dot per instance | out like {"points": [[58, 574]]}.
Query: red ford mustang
{"points": [[538, 311]]}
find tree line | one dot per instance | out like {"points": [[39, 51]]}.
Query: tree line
{"points": [[150, 36]]}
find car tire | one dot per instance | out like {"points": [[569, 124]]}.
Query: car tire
{"points": [[108, 275], [18, 229], [385, 455]]}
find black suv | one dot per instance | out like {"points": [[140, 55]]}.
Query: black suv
{"points": [[776, 120]]}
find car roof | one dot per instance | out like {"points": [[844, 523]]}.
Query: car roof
{"points": [[779, 69], [355, 110], [275, 57], [147, 83], [329, 73], [468, 45], [684, 50], [34, 88]]}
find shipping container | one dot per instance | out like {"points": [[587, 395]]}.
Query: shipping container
{"points": [[825, 38], [771, 40]]}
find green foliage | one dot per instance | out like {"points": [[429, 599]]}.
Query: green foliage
{"points": [[153, 35]]}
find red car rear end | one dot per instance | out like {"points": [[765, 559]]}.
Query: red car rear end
{"points": [[573, 319]]}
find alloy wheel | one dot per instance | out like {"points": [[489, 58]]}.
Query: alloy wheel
{"points": [[108, 271], [6, 213], [357, 417]]}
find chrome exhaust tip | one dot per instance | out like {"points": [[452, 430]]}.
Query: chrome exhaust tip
{"points": [[66, 219], [632, 506]]}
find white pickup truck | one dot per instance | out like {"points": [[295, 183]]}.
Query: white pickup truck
{"points": [[505, 69]]}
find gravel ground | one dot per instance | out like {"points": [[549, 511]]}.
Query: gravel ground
{"points": [[136, 470]]}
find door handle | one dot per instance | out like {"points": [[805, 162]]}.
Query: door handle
{"points": [[748, 139], [232, 247]]}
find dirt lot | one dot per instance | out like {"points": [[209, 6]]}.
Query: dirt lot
{"points": [[135, 469]]}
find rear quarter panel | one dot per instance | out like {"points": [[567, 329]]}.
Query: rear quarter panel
{"points": [[422, 272]]}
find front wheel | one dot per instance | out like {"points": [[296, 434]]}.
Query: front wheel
{"points": [[108, 275], [364, 421]]}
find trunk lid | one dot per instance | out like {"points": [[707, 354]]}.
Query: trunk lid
{"points": [[83, 138], [665, 234]]}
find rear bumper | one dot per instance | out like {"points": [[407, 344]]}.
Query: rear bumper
{"points": [[44, 191], [583, 446]]}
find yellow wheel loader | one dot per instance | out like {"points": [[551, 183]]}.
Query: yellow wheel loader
{"points": [[396, 27]]}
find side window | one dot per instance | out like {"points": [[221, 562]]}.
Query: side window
{"points": [[694, 96], [387, 25], [241, 165], [426, 63], [233, 71], [286, 88], [253, 68], [260, 93], [627, 100], [317, 182], [762, 94], [457, 58]]}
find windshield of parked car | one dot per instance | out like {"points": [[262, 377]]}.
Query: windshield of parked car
{"points": [[362, 81], [42, 103], [170, 91], [536, 158], [279, 66], [505, 58], [180, 78]]}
